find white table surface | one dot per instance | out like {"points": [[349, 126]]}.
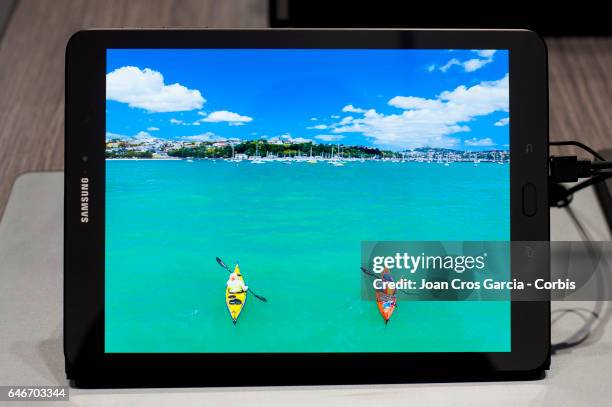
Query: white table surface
{"points": [[31, 329]]}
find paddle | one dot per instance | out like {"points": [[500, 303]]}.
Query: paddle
{"points": [[259, 297], [374, 275]]}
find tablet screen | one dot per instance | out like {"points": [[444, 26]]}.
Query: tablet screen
{"points": [[240, 184]]}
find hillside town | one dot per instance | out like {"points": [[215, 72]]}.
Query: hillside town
{"points": [[279, 149]]}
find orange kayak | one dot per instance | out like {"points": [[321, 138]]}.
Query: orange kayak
{"points": [[386, 299], [386, 305]]}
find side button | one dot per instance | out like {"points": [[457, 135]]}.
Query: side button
{"points": [[530, 200]]}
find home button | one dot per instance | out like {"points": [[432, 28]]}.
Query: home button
{"points": [[530, 201]]}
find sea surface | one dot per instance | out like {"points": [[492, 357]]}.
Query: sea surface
{"points": [[296, 231]]}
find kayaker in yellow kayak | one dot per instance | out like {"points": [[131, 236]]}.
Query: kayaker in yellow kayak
{"points": [[235, 284], [235, 294]]}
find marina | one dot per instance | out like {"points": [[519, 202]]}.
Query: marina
{"points": [[335, 155]]}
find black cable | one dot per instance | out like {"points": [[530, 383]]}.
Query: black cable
{"points": [[582, 334], [578, 144], [564, 169], [601, 165], [560, 196], [591, 181]]}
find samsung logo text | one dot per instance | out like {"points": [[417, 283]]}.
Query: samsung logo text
{"points": [[84, 200]]}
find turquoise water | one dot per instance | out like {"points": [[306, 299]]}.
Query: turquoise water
{"points": [[296, 231]]}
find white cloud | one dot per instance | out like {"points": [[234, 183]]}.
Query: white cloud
{"points": [[429, 122], [412, 102], [472, 65], [112, 136], [503, 122], [335, 116], [329, 137], [143, 135], [140, 136], [175, 121], [485, 53], [318, 127], [208, 136], [286, 138], [483, 142], [431, 68], [234, 119], [346, 120], [152, 128], [352, 109], [145, 89], [449, 64], [301, 140], [314, 119], [478, 100], [399, 131], [485, 56]]}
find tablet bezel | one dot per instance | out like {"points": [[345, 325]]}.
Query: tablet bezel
{"points": [[84, 242]]}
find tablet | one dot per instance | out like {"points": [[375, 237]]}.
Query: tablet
{"points": [[220, 183]]}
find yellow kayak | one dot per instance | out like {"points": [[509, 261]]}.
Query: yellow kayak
{"points": [[235, 301]]}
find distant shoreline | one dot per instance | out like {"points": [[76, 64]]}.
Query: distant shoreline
{"points": [[145, 159], [336, 162], [286, 151]]}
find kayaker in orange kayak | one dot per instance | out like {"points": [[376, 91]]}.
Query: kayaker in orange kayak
{"points": [[385, 298], [386, 276]]}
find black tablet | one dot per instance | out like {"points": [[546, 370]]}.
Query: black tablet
{"points": [[220, 184]]}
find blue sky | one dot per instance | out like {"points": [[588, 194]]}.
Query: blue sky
{"points": [[395, 99]]}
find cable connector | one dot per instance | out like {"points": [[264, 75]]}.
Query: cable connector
{"points": [[569, 169]]}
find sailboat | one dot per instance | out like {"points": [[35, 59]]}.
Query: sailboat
{"points": [[501, 159], [310, 159], [233, 159], [256, 158], [476, 160], [285, 160], [334, 159], [331, 156]]}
